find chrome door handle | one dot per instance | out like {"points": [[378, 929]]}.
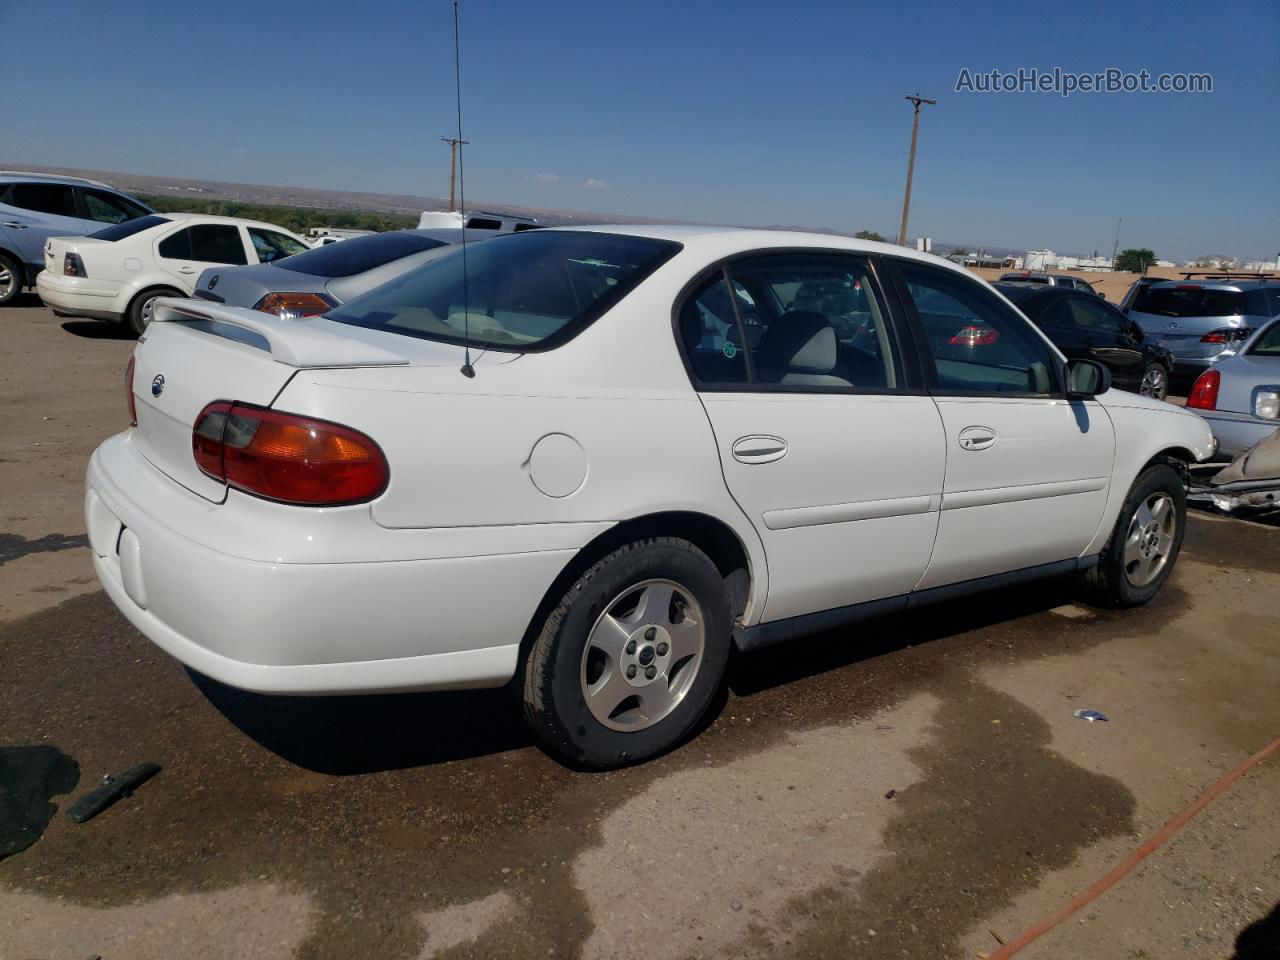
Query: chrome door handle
{"points": [[977, 438], [14, 225], [759, 449]]}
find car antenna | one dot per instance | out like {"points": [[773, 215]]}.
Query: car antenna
{"points": [[467, 369]]}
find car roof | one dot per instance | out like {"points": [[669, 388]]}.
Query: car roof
{"points": [[1232, 286], [26, 176], [217, 218], [727, 241], [1017, 291]]}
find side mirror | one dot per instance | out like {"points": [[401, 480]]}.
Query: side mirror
{"points": [[1086, 379]]}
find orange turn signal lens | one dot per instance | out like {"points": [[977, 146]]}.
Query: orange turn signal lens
{"points": [[290, 306]]}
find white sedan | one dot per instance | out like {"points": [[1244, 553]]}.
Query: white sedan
{"points": [[591, 460], [119, 272]]}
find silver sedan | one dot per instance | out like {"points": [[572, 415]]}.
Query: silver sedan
{"points": [[1240, 393]]}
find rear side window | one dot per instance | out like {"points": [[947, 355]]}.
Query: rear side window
{"points": [[54, 198], [271, 245], [359, 254], [107, 207], [799, 321], [206, 243], [1189, 301], [522, 291], [979, 345], [1268, 344], [484, 223], [127, 229]]}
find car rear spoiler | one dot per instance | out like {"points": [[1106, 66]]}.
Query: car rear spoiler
{"points": [[296, 343]]}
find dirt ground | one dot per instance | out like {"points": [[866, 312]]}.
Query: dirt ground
{"points": [[1110, 284], [912, 787]]}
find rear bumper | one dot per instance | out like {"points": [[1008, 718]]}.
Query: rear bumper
{"points": [[81, 297], [1237, 432], [302, 628]]}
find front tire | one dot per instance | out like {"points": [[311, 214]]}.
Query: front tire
{"points": [[1155, 382], [1145, 543], [630, 658]]}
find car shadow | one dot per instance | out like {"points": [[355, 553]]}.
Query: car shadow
{"points": [[25, 300], [807, 656], [347, 735], [1261, 939], [99, 330]]}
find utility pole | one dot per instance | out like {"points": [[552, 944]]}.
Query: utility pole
{"points": [[1115, 247], [911, 165], [453, 143]]}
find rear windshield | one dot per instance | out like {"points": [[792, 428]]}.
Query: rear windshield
{"points": [[1268, 344], [118, 231], [1023, 278], [1188, 301], [523, 291], [349, 257]]}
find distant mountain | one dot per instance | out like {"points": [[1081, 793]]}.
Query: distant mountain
{"points": [[393, 202]]}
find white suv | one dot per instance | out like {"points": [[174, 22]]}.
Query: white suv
{"points": [[119, 272], [594, 459]]}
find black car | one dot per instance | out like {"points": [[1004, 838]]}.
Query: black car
{"points": [[1086, 327]]}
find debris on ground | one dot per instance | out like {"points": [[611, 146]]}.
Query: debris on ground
{"points": [[1091, 715], [111, 790], [29, 778]]}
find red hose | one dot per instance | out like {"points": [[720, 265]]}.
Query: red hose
{"points": [[1150, 846]]}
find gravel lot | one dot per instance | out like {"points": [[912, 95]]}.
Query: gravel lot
{"points": [[911, 787]]}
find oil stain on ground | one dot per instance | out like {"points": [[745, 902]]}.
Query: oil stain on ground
{"points": [[387, 810], [30, 777], [12, 546]]}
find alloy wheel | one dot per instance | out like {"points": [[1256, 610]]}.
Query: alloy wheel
{"points": [[1149, 541], [7, 282], [1155, 384], [643, 655]]}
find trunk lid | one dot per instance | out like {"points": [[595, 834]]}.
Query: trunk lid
{"points": [[194, 353], [56, 249]]}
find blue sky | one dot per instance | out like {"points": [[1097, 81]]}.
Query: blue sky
{"points": [[736, 112]]}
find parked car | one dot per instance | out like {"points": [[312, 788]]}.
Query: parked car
{"points": [[314, 282], [37, 206], [1197, 319], [1239, 395], [119, 272], [1087, 328], [475, 220], [561, 457], [1049, 280]]}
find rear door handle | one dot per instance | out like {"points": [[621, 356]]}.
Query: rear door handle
{"points": [[186, 269], [759, 449], [14, 225], [977, 438]]}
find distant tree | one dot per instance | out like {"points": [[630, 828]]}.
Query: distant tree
{"points": [[298, 219], [869, 235], [1135, 260]]}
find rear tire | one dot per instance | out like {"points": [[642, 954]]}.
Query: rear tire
{"points": [[630, 658], [1145, 543], [1155, 382], [11, 276], [139, 315]]}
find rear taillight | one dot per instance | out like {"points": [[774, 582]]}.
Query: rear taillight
{"points": [[285, 457], [1227, 335], [975, 335], [1204, 392], [72, 265], [128, 390], [290, 306]]}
